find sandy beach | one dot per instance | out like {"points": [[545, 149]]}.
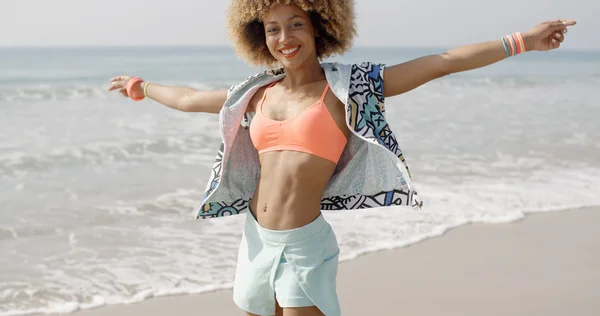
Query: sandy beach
{"points": [[99, 193], [547, 264]]}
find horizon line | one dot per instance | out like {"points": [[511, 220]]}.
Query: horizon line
{"points": [[231, 47]]}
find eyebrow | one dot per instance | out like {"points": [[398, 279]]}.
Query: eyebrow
{"points": [[292, 17]]}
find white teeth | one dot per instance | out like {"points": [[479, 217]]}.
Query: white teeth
{"points": [[289, 51]]}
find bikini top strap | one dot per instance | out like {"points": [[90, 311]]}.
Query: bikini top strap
{"points": [[265, 95], [325, 92]]}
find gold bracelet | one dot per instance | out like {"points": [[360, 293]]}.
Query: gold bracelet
{"points": [[145, 88]]}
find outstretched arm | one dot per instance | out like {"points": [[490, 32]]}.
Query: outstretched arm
{"points": [[178, 98], [407, 76]]}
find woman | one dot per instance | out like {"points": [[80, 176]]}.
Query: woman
{"points": [[306, 136]]}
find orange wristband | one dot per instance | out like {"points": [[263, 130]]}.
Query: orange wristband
{"points": [[521, 42], [130, 84]]}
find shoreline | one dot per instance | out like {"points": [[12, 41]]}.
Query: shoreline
{"points": [[545, 263]]}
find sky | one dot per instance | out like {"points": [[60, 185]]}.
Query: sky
{"points": [[409, 23]]}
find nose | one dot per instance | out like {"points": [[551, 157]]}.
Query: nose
{"points": [[285, 36]]}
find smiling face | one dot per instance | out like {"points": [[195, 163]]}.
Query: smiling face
{"points": [[290, 35]]}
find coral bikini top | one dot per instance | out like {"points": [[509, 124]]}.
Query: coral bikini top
{"points": [[312, 131]]}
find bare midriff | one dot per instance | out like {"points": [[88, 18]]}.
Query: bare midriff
{"points": [[292, 182], [290, 188]]}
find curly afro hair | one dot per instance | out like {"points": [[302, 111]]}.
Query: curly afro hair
{"points": [[333, 20]]}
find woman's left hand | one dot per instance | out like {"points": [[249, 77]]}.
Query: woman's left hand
{"points": [[547, 35]]}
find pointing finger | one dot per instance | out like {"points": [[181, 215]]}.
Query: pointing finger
{"points": [[557, 24]]}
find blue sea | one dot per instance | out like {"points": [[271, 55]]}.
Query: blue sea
{"points": [[98, 193]]}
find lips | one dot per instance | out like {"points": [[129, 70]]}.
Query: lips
{"points": [[289, 51]]}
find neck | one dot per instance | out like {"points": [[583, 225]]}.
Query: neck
{"points": [[309, 72]]}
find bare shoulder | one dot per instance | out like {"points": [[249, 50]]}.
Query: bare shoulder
{"points": [[331, 99]]}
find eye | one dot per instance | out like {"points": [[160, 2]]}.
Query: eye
{"points": [[296, 24], [271, 30]]}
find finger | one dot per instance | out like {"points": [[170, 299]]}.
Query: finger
{"points": [[118, 78], [560, 24], [114, 86], [554, 44], [559, 37], [567, 22], [124, 92]]}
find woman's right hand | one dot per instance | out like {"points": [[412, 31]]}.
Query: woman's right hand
{"points": [[120, 83]]}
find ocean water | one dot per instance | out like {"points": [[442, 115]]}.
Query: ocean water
{"points": [[98, 193]]}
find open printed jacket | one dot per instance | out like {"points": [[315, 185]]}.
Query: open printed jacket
{"points": [[371, 172]]}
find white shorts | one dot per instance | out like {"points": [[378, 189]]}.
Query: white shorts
{"points": [[298, 267]]}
